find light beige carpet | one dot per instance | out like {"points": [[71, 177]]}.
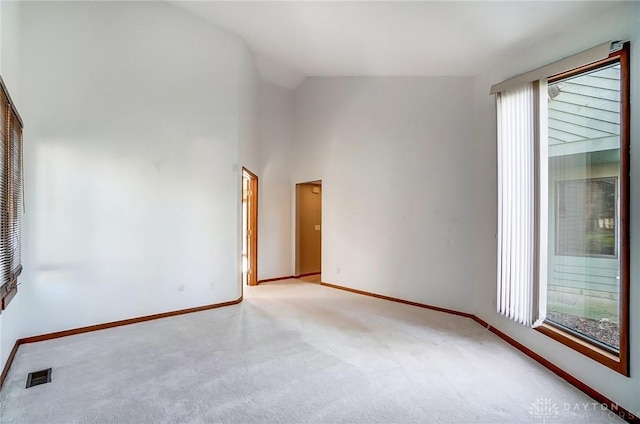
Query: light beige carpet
{"points": [[292, 352]]}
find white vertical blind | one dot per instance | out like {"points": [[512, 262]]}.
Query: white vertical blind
{"points": [[518, 117]]}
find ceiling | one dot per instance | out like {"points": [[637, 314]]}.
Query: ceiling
{"points": [[384, 38]]}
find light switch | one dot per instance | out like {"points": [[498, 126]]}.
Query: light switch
{"points": [[317, 228]]}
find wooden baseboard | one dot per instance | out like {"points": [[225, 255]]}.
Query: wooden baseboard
{"points": [[589, 391], [7, 364], [307, 274], [395, 299], [104, 326], [267, 280], [599, 397]]}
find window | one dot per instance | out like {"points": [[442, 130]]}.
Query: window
{"points": [[588, 155], [11, 201], [563, 202]]}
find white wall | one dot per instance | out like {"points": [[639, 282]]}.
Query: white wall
{"points": [[247, 127], [9, 54], [132, 114], [393, 157], [620, 23], [275, 139], [248, 111]]}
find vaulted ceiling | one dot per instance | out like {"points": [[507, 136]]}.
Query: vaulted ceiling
{"points": [[383, 38]]}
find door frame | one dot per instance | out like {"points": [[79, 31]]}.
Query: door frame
{"points": [[297, 248], [252, 224]]}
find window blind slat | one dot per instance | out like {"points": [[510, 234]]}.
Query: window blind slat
{"points": [[16, 196], [5, 248], [11, 195]]}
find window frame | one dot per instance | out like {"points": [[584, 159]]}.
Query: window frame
{"points": [[618, 362], [14, 207]]}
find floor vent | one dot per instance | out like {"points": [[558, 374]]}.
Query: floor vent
{"points": [[38, 377]]}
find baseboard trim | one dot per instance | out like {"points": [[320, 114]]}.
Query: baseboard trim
{"points": [[104, 326], [98, 327], [267, 280], [589, 391], [7, 365], [307, 274], [395, 299]]}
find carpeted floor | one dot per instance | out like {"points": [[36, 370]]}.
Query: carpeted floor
{"points": [[291, 352], [315, 278]]}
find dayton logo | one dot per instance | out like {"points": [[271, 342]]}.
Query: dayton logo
{"points": [[544, 408]]}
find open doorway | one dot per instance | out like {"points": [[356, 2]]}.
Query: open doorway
{"points": [[249, 228], [309, 230]]}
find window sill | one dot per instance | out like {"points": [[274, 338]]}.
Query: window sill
{"points": [[618, 363]]}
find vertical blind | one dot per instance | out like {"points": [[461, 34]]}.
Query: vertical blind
{"points": [[517, 114], [523, 191], [11, 192]]}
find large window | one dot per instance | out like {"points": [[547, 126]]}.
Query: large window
{"points": [[563, 183], [11, 200], [587, 172]]}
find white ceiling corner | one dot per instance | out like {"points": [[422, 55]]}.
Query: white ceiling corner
{"points": [[295, 39], [277, 73]]}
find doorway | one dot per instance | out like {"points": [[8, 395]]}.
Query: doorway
{"points": [[309, 229], [249, 228]]}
